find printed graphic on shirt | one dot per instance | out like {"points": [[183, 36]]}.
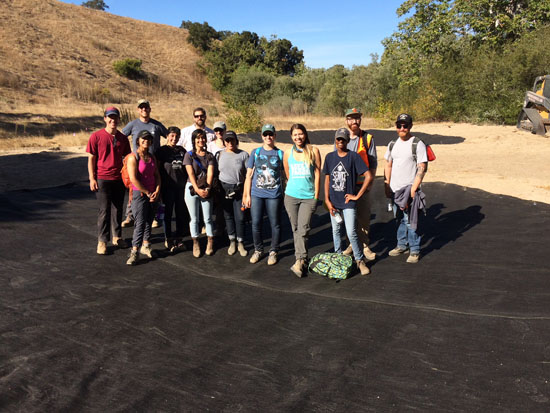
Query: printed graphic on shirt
{"points": [[267, 172], [339, 176], [300, 170]]}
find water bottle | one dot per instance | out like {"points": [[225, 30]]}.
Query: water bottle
{"points": [[337, 216]]}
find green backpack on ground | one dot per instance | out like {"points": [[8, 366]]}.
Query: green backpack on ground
{"points": [[331, 265]]}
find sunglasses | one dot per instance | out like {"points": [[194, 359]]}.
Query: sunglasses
{"points": [[402, 126], [199, 116], [268, 134]]}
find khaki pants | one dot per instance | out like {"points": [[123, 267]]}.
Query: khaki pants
{"points": [[363, 219]]}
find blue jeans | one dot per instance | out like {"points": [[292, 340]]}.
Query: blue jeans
{"points": [[194, 204], [406, 236], [234, 217], [273, 208], [350, 222]]}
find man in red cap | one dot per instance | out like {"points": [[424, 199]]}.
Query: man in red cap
{"points": [[107, 148]]}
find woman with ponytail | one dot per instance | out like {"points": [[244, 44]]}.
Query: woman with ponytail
{"points": [[302, 165]]}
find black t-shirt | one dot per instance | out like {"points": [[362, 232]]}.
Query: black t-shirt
{"points": [[171, 167]]}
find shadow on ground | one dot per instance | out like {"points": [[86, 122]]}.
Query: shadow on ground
{"points": [[466, 329], [33, 125]]}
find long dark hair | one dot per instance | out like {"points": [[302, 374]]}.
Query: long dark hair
{"points": [[196, 133]]}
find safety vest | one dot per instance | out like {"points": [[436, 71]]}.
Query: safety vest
{"points": [[362, 150]]}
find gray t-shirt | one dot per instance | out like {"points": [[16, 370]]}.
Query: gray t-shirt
{"points": [[404, 168], [156, 129], [232, 166]]}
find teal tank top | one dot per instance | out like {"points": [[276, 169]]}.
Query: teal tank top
{"points": [[301, 182]]}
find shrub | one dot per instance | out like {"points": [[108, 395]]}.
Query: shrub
{"points": [[244, 118], [129, 68]]}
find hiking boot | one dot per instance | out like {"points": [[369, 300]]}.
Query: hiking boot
{"points": [[348, 251], [196, 248], [272, 259], [102, 248], [368, 254], [362, 267], [397, 251], [120, 242], [210, 246], [242, 250], [298, 267], [133, 257], [256, 257], [147, 251], [232, 247], [413, 258], [128, 222], [156, 223]]}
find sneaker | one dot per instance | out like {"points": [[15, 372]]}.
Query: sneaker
{"points": [[272, 259], [256, 257], [368, 254], [362, 267], [133, 257], [120, 242], [413, 258], [397, 251], [102, 248], [298, 268], [348, 251], [128, 222], [147, 251], [232, 247], [242, 250], [155, 224]]}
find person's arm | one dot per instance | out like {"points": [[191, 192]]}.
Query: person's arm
{"points": [[285, 162], [366, 183], [387, 178], [420, 173], [155, 195], [203, 193], [132, 166], [317, 172], [329, 205], [248, 187], [92, 172]]}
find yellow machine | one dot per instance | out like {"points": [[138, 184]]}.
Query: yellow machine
{"points": [[535, 115]]}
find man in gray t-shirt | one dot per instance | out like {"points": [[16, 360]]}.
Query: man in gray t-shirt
{"points": [[133, 128], [401, 171]]}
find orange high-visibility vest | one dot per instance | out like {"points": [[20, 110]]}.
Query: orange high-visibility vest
{"points": [[362, 150]]}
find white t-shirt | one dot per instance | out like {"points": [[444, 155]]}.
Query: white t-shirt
{"points": [[404, 168], [187, 142]]}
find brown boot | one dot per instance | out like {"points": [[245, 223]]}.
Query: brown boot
{"points": [[196, 248], [210, 246]]}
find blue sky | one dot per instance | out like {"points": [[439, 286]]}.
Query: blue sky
{"points": [[329, 32]]}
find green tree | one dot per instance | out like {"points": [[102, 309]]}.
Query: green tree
{"points": [[95, 4], [201, 35], [249, 85], [333, 99], [280, 57]]}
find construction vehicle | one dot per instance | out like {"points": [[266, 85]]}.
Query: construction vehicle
{"points": [[535, 115]]}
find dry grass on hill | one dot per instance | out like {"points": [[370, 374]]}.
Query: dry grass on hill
{"points": [[52, 51]]}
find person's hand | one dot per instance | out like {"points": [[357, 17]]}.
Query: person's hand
{"points": [[203, 193], [154, 196], [246, 201], [93, 185], [330, 207], [350, 197], [413, 193]]}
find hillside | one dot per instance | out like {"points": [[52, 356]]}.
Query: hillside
{"points": [[52, 50]]}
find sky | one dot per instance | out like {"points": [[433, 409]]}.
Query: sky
{"points": [[328, 32]]}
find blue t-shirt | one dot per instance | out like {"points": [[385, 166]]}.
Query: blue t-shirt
{"points": [[156, 129], [266, 180], [343, 173]]}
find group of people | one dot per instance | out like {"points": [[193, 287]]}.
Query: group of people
{"points": [[202, 177]]}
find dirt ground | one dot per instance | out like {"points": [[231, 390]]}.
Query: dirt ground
{"points": [[496, 159]]}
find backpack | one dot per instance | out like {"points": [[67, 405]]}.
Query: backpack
{"points": [[331, 265], [429, 151], [124, 171]]}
